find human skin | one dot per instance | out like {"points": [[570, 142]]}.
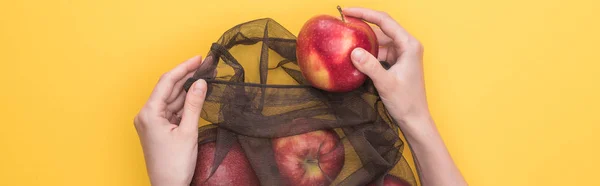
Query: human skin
{"points": [[170, 144], [402, 90], [167, 126]]}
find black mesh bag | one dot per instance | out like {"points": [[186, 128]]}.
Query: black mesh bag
{"points": [[263, 124]]}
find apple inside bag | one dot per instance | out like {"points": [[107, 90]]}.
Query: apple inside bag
{"points": [[265, 124]]}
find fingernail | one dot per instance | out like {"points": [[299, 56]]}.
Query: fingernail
{"points": [[195, 58], [199, 86], [357, 55]]}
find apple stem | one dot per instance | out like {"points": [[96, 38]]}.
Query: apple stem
{"points": [[341, 14]]}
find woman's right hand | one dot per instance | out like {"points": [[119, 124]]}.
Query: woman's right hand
{"points": [[402, 90], [401, 87]]}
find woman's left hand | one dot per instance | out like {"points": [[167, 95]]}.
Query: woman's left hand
{"points": [[167, 126]]}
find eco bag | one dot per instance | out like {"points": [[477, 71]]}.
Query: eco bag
{"points": [[264, 124]]}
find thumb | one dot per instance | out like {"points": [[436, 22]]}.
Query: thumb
{"points": [[193, 106], [368, 64]]}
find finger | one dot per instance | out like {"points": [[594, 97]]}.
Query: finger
{"points": [[178, 88], [177, 104], [384, 53], [388, 25], [369, 65], [167, 81], [386, 49], [193, 106], [382, 39]]}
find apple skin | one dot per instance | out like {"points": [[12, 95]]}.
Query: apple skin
{"points": [[390, 180], [323, 49], [233, 170], [299, 157]]}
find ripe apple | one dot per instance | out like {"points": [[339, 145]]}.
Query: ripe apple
{"points": [[233, 170], [323, 49], [313, 158], [390, 180]]}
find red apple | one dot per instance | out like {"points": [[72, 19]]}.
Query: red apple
{"points": [[233, 170], [323, 51], [313, 158], [390, 180]]}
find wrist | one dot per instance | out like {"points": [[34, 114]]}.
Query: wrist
{"points": [[418, 128], [169, 182]]}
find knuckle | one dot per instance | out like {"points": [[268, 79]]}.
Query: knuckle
{"points": [[384, 14], [415, 45], [372, 66], [165, 76], [151, 106], [141, 119], [137, 122]]}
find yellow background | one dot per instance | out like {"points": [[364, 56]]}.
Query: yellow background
{"points": [[513, 85]]}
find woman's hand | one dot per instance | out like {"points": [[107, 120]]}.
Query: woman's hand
{"points": [[401, 87], [168, 126], [402, 90]]}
